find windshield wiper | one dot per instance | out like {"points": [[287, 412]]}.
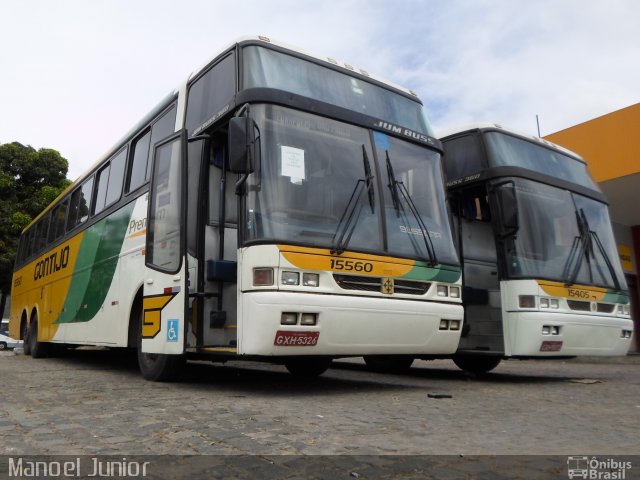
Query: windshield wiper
{"points": [[399, 188], [582, 247], [349, 218]]}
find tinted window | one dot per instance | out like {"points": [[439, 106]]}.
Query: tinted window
{"points": [[462, 157], [101, 193], [161, 130], [80, 203], [59, 217], [139, 164], [84, 206], [211, 92], [116, 177], [41, 234]]}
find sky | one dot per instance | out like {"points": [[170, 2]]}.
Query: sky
{"points": [[76, 75]]}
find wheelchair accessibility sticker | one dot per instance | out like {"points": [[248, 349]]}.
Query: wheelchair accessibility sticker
{"points": [[172, 330]]}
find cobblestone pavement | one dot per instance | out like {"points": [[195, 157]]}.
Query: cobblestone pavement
{"points": [[95, 402]]}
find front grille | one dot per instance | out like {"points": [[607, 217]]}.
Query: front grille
{"points": [[579, 305], [374, 284], [606, 307]]}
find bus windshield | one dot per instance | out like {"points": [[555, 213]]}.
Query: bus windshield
{"points": [[507, 150], [313, 171], [554, 226], [267, 68]]}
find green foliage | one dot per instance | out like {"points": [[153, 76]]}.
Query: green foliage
{"points": [[30, 180]]}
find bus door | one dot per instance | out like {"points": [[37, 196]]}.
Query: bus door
{"points": [[212, 239], [481, 291], [165, 292]]}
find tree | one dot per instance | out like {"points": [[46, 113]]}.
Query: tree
{"points": [[30, 180]]}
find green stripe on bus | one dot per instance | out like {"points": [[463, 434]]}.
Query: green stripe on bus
{"points": [[440, 273], [95, 267]]}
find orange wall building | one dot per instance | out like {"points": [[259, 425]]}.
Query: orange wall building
{"points": [[610, 145]]}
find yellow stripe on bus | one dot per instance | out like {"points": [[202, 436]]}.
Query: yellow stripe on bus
{"points": [[352, 262], [577, 292]]}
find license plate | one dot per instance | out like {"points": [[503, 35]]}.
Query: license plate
{"points": [[550, 346], [286, 338]]}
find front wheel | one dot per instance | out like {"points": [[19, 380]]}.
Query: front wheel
{"points": [[158, 367], [307, 367], [388, 363], [476, 363], [3, 346]]}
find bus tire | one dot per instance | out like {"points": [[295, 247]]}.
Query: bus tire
{"points": [[38, 349], [158, 367], [24, 329], [3, 346], [477, 364], [307, 367], [389, 363]]}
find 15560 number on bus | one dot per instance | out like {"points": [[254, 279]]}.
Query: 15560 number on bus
{"points": [[351, 265]]}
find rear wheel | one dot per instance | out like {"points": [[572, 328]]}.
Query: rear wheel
{"points": [[38, 349], [24, 329], [307, 367], [476, 363], [388, 363]]}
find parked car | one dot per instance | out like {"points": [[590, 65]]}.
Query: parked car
{"points": [[8, 342]]}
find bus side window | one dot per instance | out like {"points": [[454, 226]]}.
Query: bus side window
{"points": [[160, 130], [140, 169], [462, 156], [137, 175], [58, 220], [79, 205], [41, 234], [116, 177], [101, 191], [210, 93]]}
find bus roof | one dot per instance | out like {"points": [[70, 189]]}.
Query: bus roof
{"points": [[484, 126]]}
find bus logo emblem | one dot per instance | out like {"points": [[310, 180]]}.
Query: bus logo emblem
{"points": [[388, 286]]}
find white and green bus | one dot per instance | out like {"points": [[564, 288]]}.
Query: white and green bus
{"points": [[541, 272], [277, 206]]}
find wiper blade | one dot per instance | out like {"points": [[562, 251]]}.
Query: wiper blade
{"points": [[393, 184], [580, 248], [349, 218], [368, 178], [583, 243], [399, 188]]}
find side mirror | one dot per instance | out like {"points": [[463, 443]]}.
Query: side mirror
{"points": [[241, 144], [507, 207]]}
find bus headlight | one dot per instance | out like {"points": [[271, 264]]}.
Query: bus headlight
{"points": [[544, 303], [443, 291], [310, 279], [626, 310], [454, 292], [553, 303], [290, 278]]}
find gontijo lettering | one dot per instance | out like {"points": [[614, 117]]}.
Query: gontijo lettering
{"points": [[51, 264]]}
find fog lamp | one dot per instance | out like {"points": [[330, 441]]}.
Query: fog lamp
{"points": [[308, 319], [288, 318]]}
